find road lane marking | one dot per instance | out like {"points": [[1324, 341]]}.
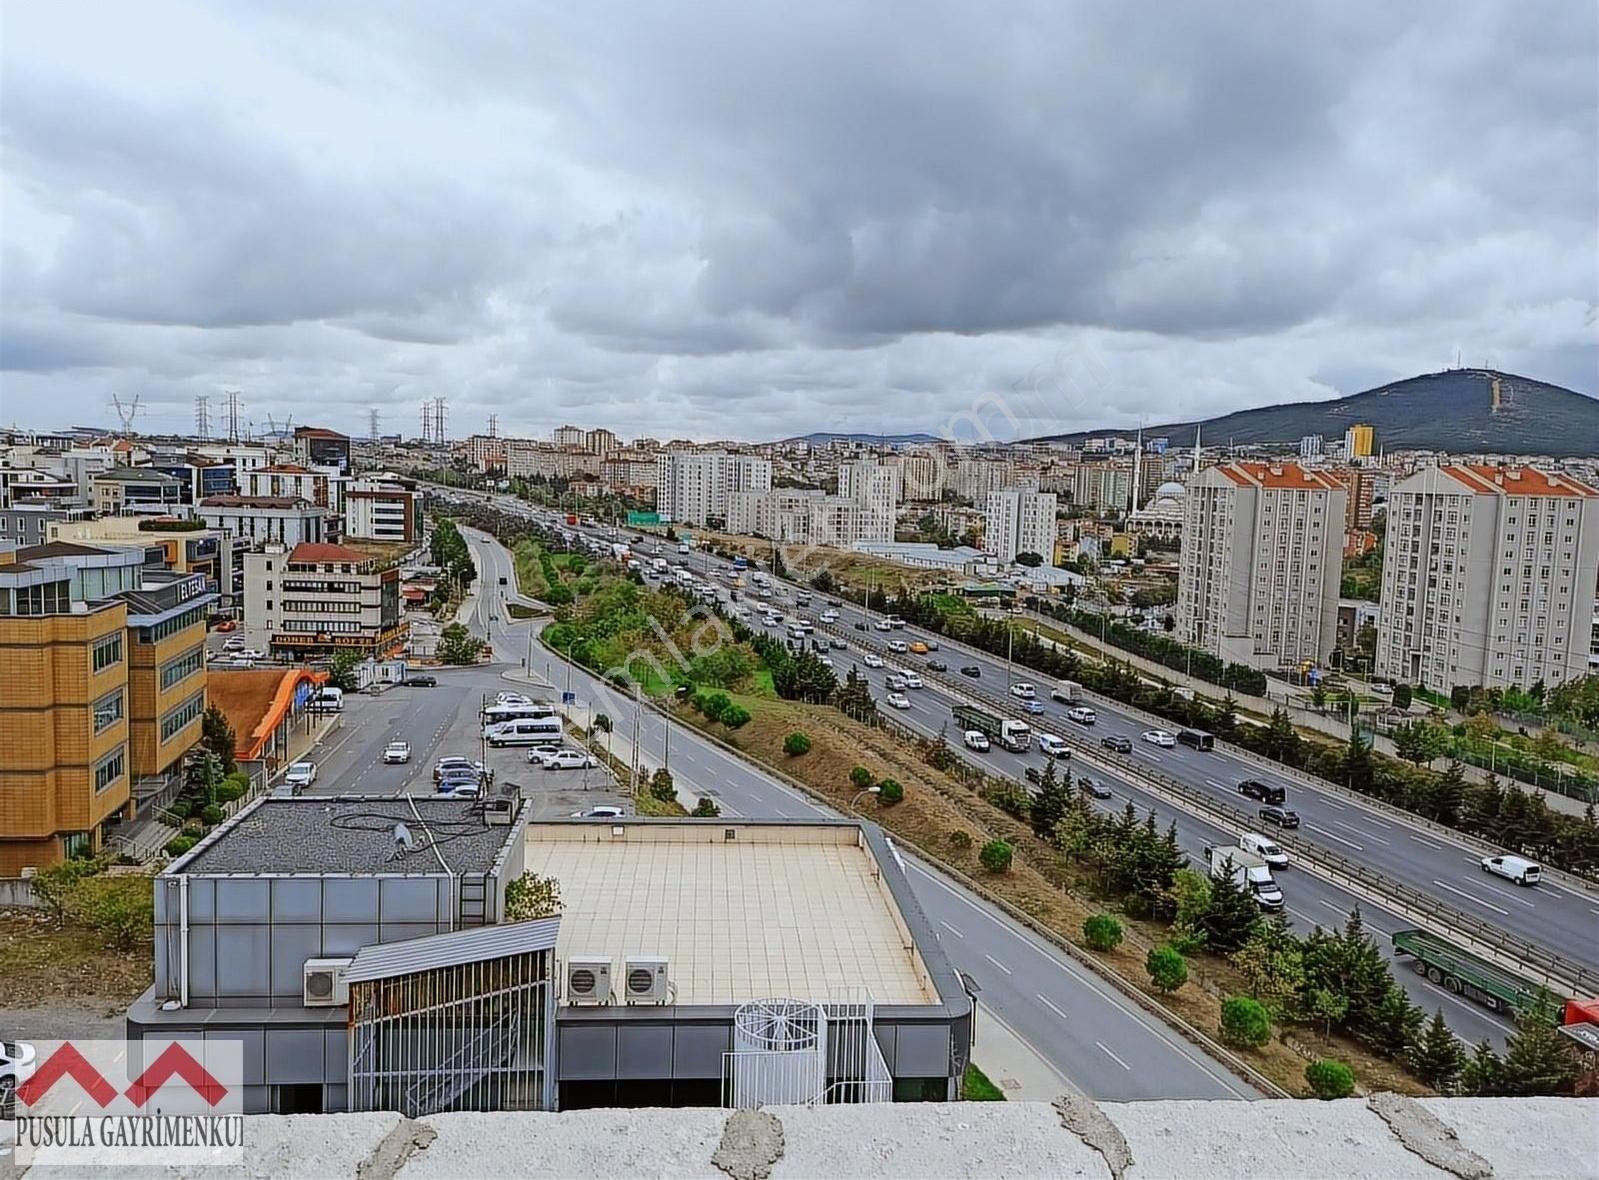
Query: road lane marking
{"points": [[1113, 1056], [997, 963], [1423, 840], [1492, 888], [1472, 897], [1050, 1004], [1359, 831], [1335, 836], [952, 930]]}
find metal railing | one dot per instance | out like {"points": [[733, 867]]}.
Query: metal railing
{"points": [[1540, 964]]}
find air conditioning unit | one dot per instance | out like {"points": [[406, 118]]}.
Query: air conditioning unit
{"points": [[645, 981], [324, 985], [499, 812], [588, 980]]}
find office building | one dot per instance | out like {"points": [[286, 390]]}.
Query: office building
{"points": [[381, 510], [1359, 441], [1019, 522], [319, 599], [694, 486], [315, 446], [260, 520], [875, 488], [1488, 577], [1262, 548], [30, 523], [134, 489], [290, 480]]}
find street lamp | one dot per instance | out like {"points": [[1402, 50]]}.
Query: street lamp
{"points": [[874, 789]]}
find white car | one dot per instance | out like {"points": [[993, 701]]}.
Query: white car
{"points": [[1082, 714], [460, 790], [300, 776], [512, 698], [895, 682], [898, 645], [397, 752], [829, 616], [571, 760], [827, 661], [1513, 868], [912, 680], [1053, 746], [17, 1061], [1159, 737], [975, 739], [872, 661], [1023, 691], [251, 653], [898, 700], [602, 812], [233, 643], [883, 625]]}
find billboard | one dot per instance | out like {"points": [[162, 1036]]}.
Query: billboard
{"points": [[643, 520]]}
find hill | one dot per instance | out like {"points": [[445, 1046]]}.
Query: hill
{"points": [[1458, 410], [820, 438]]}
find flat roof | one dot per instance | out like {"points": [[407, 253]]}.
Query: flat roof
{"points": [[796, 910], [351, 834]]}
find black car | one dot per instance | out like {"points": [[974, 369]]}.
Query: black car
{"points": [[1115, 741], [931, 644], [860, 626], [937, 666], [420, 682], [1281, 816], [1253, 788], [971, 670], [1031, 775], [1095, 788]]}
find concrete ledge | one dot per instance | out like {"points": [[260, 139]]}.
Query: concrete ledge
{"points": [[1519, 1139]]}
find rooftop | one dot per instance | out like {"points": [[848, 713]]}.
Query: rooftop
{"points": [[255, 502], [349, 834], [1519, 481], [137, 475], [796, 910], [256, 700], [312, 552], [1286, 476]]}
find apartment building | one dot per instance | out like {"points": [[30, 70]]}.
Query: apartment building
{"points": [[974, 479], [694, 486], [30, 524], [318, 599], [526, 460], [600, 442], [1361, 484], [1017, 521], [1488, 577], [875, 487], [381, 510], [1262, 548], [631, 473], [569, 436], [799, 516], [315, 446], [1359, 441], [289, 479], [923, 474], [102, 689], [134, 489], [485, 452], [260, 520], [1103, 487]]}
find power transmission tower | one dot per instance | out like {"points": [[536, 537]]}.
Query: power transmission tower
{"points": [[202, 416], [427, 422], [439, 409], [494, 424], [372, 420], [126, 413], [234, 401]]}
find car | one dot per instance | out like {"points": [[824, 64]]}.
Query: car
{"points": [[1381, 689], [1253, 788], [827, 661], [454, 762], [836, 643], [895, 622], [252, 653], [1023, 691], [1120, 743], [1095, 787], [872, 660], [895, 682], [971, 670], [397, 752], [604, 811], [460, 789], [932, 644], [829, 616], [975, 739], [937, 666], [1053, 746], [300, 776], [1082, 714], [494, 618], [17, 1062], [234, 643], [1283, 817], [898, 645], [1513, 868], [1032, 706], [898, 700], [568, 759], [1159, 737], [860, 626], [913, 681], [883, 625], [919, 648], [420, 682], [227, 625], [1031, 775]]}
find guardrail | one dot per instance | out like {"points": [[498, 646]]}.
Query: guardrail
{"points": [[1539, 964]]}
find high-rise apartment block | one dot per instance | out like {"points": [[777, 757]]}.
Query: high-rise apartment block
{"points": [[1017, 521], [1261, 560], [1488, 577], [695, 485], [875, 488], [1359, 441]]}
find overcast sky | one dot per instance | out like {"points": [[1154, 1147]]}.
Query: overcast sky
{"points": [[751, 220]]}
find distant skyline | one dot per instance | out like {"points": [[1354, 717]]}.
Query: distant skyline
{"points": [[755, 221]]}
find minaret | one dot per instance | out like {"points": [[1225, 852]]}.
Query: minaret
{"points": [[1196, 448], [1138, 468]]}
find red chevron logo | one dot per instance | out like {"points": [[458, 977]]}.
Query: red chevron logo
{"points": [[67, 1062], [177, 1061]]}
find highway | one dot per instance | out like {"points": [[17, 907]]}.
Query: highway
{"points": [[1103, 1043]]}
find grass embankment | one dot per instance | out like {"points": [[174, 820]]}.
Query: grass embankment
{"points": [[975, 1087], [40, 963]]}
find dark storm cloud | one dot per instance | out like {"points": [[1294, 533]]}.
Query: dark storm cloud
{"points": [[750, 219]]}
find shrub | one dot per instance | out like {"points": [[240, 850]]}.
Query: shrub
{"points": [[706, 808], [714, 705], [996, 856], [182, 809], [662, 787], [860, 778], [735, 716], [889, 792], [228, 792], [1244, 1022], [960, 841], [1330, 1079], [1102, 932], [532, 896], [212, 815], [178, 845], [796, 744], [54, 885], [1167, 968], [120, 908]]}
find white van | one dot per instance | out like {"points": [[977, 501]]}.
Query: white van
{"points": [[1514, 868], [1264, 847], [529, 731], [515, 711], [329, 700]]}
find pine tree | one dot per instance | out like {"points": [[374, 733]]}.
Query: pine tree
{"points": [[1050, 804], [1281, 740], [1449, 795], [1393, 1026], [1438, 1058], [1484, 1074], [1538, 1060], [217, 736], [1357, 764], [1232, 915]]}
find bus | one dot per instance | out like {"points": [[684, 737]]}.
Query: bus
{"points": [[528, 731], [741, 562], [496, 714]]}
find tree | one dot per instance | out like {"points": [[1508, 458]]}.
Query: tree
{"points": [[1281, 739], [890, 792], [341, 670], [1102, 932], [1402, 698], [860, 778], [1050, 805], [1030, 560], [735, 716], [1329, 1079], [1244, 1022], [1484, 1073], [1449, 795], [532, 896], [1357, 764], [457, 645], [1167, 968], [706, 808], [1419, 742], [1538, 1060], [1577, 700], [53, 885], [996, 856], [796, 744], [714, 705], [1272, 963], [662, 787], [217, 736], [122, 909], [1324, 1007], [1318, 698], [854, 697], [1232, 915], [1438, 1058]]}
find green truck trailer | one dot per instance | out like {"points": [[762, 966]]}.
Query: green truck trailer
{"points": [[1466, 974]]}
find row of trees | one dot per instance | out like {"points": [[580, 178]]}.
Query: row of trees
{"points": [[796, 675], [448, 551]]}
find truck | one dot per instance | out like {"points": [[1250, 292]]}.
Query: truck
{"points": [[1013, 735], [1249, 870], [1469, 975], [1067, 692], [571, 518], [741, 562]]}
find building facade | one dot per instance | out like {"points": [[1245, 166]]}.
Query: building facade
{"points": [[694, 486], [315, 446], [377, 510], [291, 480], [1019, 522], [264, 520], [134, 489], [875, 488], [1262, 547], [1488, 577], [319, 599]]}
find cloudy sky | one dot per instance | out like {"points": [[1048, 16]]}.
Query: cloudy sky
{"points": [[752, 220]]}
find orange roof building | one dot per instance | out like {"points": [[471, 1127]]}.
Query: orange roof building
{"points": [[261, 704]]}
